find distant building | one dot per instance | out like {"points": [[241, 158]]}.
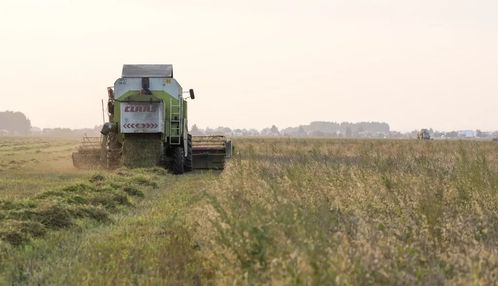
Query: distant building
{"points": [[467, 133]]}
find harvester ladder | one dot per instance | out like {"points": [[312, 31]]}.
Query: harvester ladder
{"points": [[175, 119]]}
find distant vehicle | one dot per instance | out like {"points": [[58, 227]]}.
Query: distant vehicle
{"points": [[423, 134]]}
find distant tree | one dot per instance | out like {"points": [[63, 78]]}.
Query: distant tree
{"points": [[209, 131], [223, 130], [57, 131], [266, 132], [252, 132], [452, 134], [14, 122], [195, 130], [437, 134], [301, 132], [344, 129], [317, 134], [238, 132], [349, 133], [274, 130]]}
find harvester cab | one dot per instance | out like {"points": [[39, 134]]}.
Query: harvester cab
{"points": [[148, 126]]}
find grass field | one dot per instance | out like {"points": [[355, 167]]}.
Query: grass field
{"points": [[284, 212]]}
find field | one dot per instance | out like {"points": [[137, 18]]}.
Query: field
{"points": [[284, 212]]}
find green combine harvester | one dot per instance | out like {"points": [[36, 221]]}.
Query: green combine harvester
{"points": [[148, 127]]}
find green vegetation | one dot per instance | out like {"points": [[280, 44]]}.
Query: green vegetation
{"points": [[284, 212], [22, 220]]}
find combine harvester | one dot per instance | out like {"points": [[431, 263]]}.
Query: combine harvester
{"points": [[424, 134], [148, 127]]}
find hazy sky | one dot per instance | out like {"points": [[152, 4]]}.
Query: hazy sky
{"points": [[411, 63]]}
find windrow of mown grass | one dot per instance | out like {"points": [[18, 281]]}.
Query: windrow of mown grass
{"points": [[29, 166], [149, 244], [24, 219], [322, 212]]}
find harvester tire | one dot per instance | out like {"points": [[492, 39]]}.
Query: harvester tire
{"points": [[188, 160], [178, 161]]}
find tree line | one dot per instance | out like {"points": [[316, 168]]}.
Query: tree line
{"points": [[314, 129], [14, 123]]}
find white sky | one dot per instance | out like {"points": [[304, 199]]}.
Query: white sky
{"points": [[411, 63]]}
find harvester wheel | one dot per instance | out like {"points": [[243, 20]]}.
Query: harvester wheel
{"points": [[177, 164], [188, 159]]}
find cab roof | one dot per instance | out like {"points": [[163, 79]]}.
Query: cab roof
{"points": [[158, 71]]}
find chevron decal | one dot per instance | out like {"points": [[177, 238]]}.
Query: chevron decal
{"points": [[140, 125]]}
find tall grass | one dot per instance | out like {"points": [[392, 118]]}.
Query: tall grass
{"points": [[356, 212]]}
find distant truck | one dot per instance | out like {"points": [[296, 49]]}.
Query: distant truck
{"points": [[423, 134]]}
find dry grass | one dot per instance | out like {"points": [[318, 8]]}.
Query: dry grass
{"points": [[284, 212], [31, 165], [355, 213]]}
